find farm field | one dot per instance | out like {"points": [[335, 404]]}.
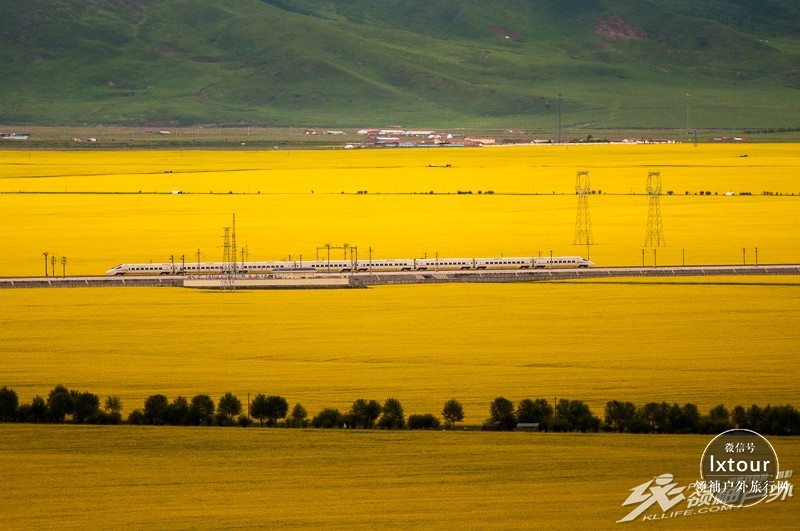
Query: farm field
{"points": [[86, 205], [133, 477], [725, 340], [729, 340]]}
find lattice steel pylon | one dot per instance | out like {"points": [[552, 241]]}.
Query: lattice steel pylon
{"points": [[228, 263], [655, 225], [583, 222], [233, 245]]}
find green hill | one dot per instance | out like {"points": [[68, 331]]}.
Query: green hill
{"points": [[618, 64]]}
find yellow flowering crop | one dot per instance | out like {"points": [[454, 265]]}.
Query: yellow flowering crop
{"points": [[86, 206]]}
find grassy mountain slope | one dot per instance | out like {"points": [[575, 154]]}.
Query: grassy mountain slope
{"points": [[434, 63]]}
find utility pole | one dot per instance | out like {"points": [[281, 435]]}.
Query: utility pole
{"points": [[53, 260], [63, 266], [45, 263], [688, 114], [559, 116]]}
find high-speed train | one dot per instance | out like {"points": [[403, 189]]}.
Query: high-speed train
{"points": [[342, 266]]}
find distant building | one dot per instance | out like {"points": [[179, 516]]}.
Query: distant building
{"points": [[479, 141]]}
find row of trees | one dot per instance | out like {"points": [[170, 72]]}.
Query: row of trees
{"points": [[82, 407], [653, 417], [79, 407], [567, 415]]}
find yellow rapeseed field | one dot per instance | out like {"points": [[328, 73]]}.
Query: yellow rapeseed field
{"points": [[85, 477], [86, 206], [730, 340]]}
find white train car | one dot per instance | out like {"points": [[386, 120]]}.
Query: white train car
{"points": [[561, 262], [342, 266]]}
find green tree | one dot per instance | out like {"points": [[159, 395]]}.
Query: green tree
{"points": [[501, 412], [113, 407], [178, 412], [619, 415], [155, 409], [392, 417], [739, 417], [230, 406], [9, 402], [574, 415], [363, 414], [755, 418], [84, 405], [778, 420], [452, 412], [201, 410], [38, 410], [298, 418], [656, 416], [259, 409], [277, 408], [717, 420], [136, 417], [428, 421], [328, 418], [59, 403], [529, 411], [113, 404]]}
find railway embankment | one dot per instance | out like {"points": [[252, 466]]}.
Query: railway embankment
{"points": [[366, 279], [539, 275], [90, 282]]}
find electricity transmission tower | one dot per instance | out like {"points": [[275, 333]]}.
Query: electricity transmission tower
{"points": [[655, 226], [233, 245], [228, 262], [583, 222]]}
